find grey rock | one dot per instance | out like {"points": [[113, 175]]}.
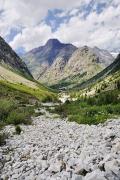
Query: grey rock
{"points": [[44, 164], [112, 167], [35, 155], [77, 177], [57, 167], [95, 175]]}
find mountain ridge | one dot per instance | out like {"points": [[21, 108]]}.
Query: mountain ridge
{"points": [[41, 58], [106, 80], [56, 61]]}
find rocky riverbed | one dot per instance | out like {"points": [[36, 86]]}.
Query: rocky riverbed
{"points": [[54, 149]]}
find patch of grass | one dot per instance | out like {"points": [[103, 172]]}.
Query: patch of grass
{"points": [[110, 97], [91, 110], [3, 137], [41, 93], [13, 113], [16, 107], [17, 104], [6, 106], [18, 130], [16, 117]]}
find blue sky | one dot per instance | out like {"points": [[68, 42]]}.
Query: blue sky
{"points": [[29, 24]]}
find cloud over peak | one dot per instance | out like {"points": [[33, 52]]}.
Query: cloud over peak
{"points": [[81, 22]]}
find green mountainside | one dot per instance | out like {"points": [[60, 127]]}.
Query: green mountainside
{"points": [[109, 76]]}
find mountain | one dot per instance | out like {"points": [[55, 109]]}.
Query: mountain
{"points": [[108, 77], [14, 75], [114, 54], [65, 65], [10, 60], [84, 63], [40, 59]]}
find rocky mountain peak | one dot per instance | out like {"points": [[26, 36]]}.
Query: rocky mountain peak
{"points": [[56, 61], [85, 49], [40, 59], [53, 42]]}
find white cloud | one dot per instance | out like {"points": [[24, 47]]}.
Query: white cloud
{"points": [[29, 13], [74, 12], [101, 30], [96, 30], [32, 37]]}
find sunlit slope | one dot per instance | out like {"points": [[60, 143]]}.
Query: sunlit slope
{"points": [[12, 77], [18, 82], [106, 80]]}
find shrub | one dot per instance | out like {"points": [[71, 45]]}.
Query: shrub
{"points": [[103, 99], [18, 129], [93, 110], [109, 109], [91, 101], [2, 124], [60, 110], [3, 137], [116, 109], [67, 101], [98, 90], [48, 99], [90, 112], [117, 84], [107, 98], [16, 117], [5, 108]]}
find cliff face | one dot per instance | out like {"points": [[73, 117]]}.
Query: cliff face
{"points": [[10, 60]]}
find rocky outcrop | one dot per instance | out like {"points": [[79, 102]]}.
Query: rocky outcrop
{"points": [[56, 149], [57, 62], [9, 59]]}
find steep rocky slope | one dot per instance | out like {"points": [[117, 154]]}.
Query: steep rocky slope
{"points": [[110, 75], [9, 59], [58, 63], [84, 63], [40, 59]]}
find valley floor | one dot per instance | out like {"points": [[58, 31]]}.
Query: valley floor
{"points": [[54, 149]]}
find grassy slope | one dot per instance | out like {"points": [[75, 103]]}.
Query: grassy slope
{"points": [[100, 99], [13, 109], [112, 72], [109, 83], [17, 104], [22, 84], [92, 110], [104, 81]]}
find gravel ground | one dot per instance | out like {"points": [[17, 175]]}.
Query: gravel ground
{"points": [[54, 149]]}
